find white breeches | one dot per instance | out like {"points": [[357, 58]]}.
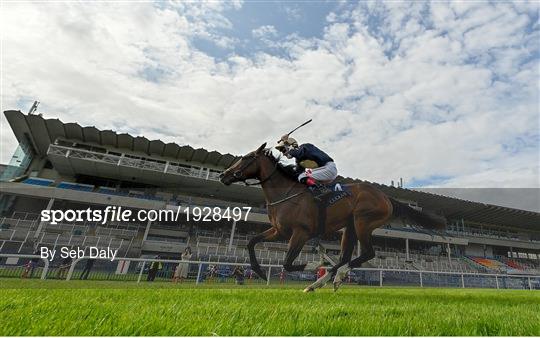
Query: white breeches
{"points": [[324, 174]]}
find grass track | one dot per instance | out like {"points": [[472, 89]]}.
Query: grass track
{"points": [[34, 307]]}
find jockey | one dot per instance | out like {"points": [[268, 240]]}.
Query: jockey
{"points": [[319, 167]]}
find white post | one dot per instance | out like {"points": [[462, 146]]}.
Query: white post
{"points": [[45, 269], [462, 281], [407, 249], [268, 275], [448, 252], [199, 274], [232, 235], [497, 281], [380, 277], [71, 268], [141, 272], [42, 223], [421, 280], [530, 285]]}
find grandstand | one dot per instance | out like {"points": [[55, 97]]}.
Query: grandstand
{"points": [[68, 167]]}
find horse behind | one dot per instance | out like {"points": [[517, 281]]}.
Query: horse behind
{"points": [[293, 214]]}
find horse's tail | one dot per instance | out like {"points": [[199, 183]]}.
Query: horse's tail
{"points": [[426, 220]]}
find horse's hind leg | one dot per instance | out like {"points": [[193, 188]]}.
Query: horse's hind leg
{"points": [[366, 252], [266, 236], [296, 243], [347, 247]]}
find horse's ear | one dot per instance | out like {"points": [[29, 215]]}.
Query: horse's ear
{"points": [[261, 148]]}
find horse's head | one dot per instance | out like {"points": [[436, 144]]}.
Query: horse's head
{"points": [[245, 168]]}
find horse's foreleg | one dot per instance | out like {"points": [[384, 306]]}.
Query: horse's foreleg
{"points": [[296, 243], [265, 236]]}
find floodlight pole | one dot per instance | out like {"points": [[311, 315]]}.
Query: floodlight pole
{"points": [[232, 235]]}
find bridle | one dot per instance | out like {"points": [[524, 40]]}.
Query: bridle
{"points": [[239, 176]]}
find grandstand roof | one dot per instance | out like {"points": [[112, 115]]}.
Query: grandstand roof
{"points": [[454, 208], [42, 132]]}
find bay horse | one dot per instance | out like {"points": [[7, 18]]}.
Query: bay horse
{"points": [[293, 215]]}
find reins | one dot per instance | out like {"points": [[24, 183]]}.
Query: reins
{"points": [[237, 174], [285, 199]]}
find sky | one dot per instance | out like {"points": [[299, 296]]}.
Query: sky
{"points": [[441, 94]]}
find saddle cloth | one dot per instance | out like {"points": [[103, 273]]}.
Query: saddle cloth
{"points": [[326, 196], [329, 194]]}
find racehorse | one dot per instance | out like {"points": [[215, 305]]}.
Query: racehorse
{"points": [[293, 215]]}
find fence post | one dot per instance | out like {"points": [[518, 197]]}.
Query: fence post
{"points": [[462, 281], [380, 277], [421, 280], [198, 274], [45, 269], [141, 272], [268, 275], [497, 281], [530, 285], [71, 268]]}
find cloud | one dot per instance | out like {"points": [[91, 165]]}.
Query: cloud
{"points": [[293, 13], [264, 31], [412, 90]]}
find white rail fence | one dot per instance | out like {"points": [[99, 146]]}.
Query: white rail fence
{"points": [[133, 269]]}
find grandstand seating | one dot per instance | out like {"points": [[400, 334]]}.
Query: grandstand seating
{"points": [[491, 264], [38, 181], [75, 186], [17, 236]]}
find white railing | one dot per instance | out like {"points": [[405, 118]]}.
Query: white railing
{"points": [[144, 164], [380, 277]]}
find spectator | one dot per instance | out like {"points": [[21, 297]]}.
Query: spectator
{"points": [[63, 267], [31, 265], [87, 268], [211, 273], [182, 269], [282, 275], [321, 271], [154, 268], [238, 275], [249, 274]]}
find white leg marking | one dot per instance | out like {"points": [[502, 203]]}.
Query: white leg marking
{"points": [[341, 273], [319, 282]]}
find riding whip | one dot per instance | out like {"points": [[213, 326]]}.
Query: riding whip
{"points": [[295, 129]]}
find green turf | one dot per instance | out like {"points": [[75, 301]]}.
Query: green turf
{"points": [[34, 307]]}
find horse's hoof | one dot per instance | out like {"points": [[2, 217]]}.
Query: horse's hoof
{"points": [[337, 285], [309, 289]]}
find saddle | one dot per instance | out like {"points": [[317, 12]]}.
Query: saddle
{"points": [[326, 195]]}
